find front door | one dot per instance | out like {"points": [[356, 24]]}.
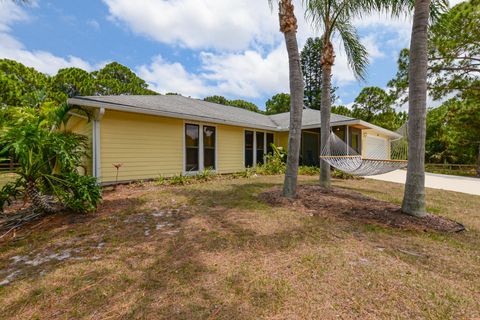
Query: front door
{"points": [[310, 148]]}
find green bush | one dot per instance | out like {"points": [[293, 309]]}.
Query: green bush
{"points": [[337, 174], [206, 175], [80, 193], [308, 170], [176, 180], [48, 157], [274, 162]]}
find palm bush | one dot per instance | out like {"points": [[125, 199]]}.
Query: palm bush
{"points": [[48, 158]]}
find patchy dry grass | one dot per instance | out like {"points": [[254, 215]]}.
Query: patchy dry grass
{"points": [[215, 251]]}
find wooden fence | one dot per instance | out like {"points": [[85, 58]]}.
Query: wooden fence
{"points": [[453, 169], [6, 167]]}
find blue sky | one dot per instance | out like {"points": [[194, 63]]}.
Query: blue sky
{"points": [[193, 47]]}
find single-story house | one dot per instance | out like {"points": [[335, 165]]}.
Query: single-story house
{"points": [[170, 134]]}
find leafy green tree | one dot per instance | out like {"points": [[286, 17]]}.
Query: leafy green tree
{"points": [[72, 82], [342, 110], [453, 56], [244, 105], [233, 103], [217, 99], [279, 103], [18, 83], [48, 158], [454, 52], [453, 132], [312, 73], [116, 79], [374, 105]]}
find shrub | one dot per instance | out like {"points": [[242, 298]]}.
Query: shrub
{"points": [[308, 170], [48, 158], [343, 175], [80, 193], [206, 175], [274, 162]]}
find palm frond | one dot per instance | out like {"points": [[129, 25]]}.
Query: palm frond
{"points": [[357, 54]]}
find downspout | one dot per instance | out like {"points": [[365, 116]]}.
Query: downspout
{"points": [[96, 143]]}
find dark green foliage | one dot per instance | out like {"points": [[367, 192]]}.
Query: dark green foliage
{"points": [[454, 52], [72, 82], [342, 110], [454, 55], [233, 103], [279, 103], [21, 86], [115, 79], [79, 193], [453, 132], [374, 105], [274, 163], [18, 83], [48, 158], [312, 73]]}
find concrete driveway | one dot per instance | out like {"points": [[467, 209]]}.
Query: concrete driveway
{"points": [[436, 181]]}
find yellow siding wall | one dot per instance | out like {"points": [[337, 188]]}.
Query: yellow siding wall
{"points": [[282, 140], [230, 146], [146, 146], [83, 127]]}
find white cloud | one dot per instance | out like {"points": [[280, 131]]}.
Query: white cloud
{"points": [[245, 74], [11, 48], [199, 24]]}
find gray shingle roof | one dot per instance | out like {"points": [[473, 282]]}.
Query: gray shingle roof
{"points": [[193, 109], [310, 117]]}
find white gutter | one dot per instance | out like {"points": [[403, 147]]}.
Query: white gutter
{"points": [[96, 151]]}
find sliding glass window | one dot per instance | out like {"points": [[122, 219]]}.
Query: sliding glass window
{"points": [[260, 146], [209, 147], [248, 149], [192, 150], [269, 143]]}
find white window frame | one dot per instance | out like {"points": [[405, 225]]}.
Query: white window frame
{"points": [[201, 165], [255, 145]]}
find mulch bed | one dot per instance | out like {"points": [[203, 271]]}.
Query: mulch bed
{"points": [[353, 206]]}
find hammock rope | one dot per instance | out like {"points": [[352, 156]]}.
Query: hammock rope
{"points": [[379, 159]]}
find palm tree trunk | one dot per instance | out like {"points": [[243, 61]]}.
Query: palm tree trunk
{"points": [[288, 25], [326, 105], [414, 196], [38, 202]]}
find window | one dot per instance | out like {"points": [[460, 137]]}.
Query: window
{"points": [[248, 149], [192, 149], [269, 143], [257, 144], [260, 146], [209, 147], [355, 139], [200, 147]]}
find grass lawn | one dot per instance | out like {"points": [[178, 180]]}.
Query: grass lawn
{"points": [[215, 251], [5, 178]]}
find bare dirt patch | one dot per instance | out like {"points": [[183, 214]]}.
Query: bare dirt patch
{"points": [[349, 205]]}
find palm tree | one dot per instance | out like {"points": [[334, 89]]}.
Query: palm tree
{"points": [[414, 196], [288, 26], [334, 19]]}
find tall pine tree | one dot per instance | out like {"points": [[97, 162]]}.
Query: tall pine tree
{"points": [[312, 73]]}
